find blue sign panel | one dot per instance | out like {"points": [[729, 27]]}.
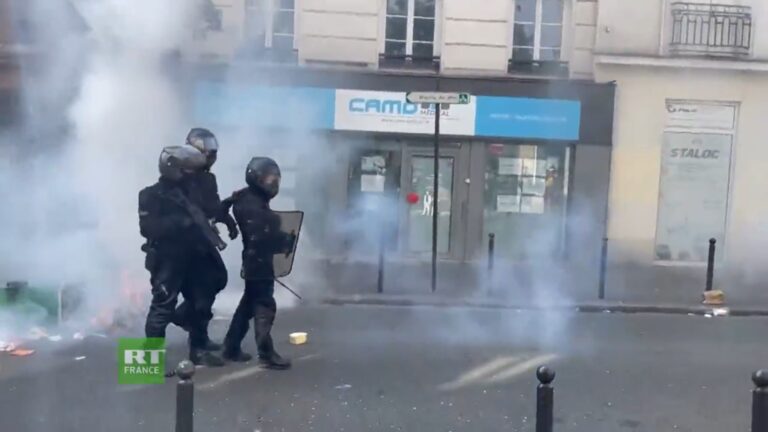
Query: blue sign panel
{"points": [[528, 118], [279, 107]]}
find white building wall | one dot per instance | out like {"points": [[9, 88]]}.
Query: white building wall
{"points": [[469, 38], [339, 31], [641, 113], [476, 38], [644, 28]]}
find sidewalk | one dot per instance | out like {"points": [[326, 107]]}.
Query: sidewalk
{"points": [[596, 306]]}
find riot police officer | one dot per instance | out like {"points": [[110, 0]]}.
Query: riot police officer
{"points": [[174, 245], [262, 238], [205, 192]]}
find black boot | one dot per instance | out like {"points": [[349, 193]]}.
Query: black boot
{"points": [[205, 358], [210, 345], [236, 355], [268, 357], [273, 360]]}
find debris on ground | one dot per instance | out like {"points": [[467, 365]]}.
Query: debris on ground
{"points": [[7, 346], [78, 336], [20, 352], [55, 338], [298, 338], [38, 333], [79, 358], [720, 312], [343, 387]]}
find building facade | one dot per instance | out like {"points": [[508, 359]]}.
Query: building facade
{"points": [[527, 160], [688, 146]]}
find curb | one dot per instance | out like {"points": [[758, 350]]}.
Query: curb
{"points": [[623, 308]]}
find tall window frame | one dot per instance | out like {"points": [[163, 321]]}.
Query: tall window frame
{"points": [[410, 28], [538, 29], [277, 20]]}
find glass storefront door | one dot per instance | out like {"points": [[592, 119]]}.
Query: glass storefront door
{"points": [[526, 188], [418, 178]]}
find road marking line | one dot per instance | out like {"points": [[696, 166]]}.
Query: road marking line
{"points": [[479, 372], [521, 368], [237, 375]]}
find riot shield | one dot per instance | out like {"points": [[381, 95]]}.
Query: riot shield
{"points": [[290, 223]]}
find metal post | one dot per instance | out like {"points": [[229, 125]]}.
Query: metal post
{"points": [[491, 248], [760, 401], [603, 269], [185, 397], [435, 199], [711, 264], [382, 246], [545, 400]]}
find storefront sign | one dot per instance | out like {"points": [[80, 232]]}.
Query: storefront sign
{"points": [[268, 107], [693, 196], [362, 110], [528, 118], [700, 115], [378, 111]]}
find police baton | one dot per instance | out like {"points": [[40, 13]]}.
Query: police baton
{"points": [[289, 289]]}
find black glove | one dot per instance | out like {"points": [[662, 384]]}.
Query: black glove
{"points": [[290, 243], [233, 232]]}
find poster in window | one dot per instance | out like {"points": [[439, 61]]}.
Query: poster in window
{"points": [[693, 195], [510, 166], [372, 183], [532, 204], [373, 164], [529, 167], [534, 185], [508, 203]]}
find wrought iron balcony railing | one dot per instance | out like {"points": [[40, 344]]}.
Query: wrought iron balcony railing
{"points": [[711, 29]]}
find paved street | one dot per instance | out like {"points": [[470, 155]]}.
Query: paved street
{"points": [[419, 369]]}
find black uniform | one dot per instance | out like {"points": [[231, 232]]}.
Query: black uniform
{"points": [[262, 239], [213, 273], [175, 247], [172, 253]]}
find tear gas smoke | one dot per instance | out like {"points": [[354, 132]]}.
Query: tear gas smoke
{"points": [[73, 201]]}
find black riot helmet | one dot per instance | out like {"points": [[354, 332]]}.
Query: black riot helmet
{"points": [[177, 161], [263, 175], [205, 141]]}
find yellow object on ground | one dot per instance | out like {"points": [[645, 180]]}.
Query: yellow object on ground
{"points": [[298, 338], [714, 298]]}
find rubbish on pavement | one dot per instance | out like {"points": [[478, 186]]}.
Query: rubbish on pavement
{"points": [[38, 333], [55, 338], [298, 338], [20, 352], [720, 311], [343, 387], [80, 358], [78, 336], [7, 346]]}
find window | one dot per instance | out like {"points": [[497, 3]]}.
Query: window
{"points": [[538, 30], [272, 22], [410, 29]]}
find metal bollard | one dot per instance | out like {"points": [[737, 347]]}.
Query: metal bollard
{"points": [[185, 397], [545, 400], [491, 249], [711, 265], [603, 269], [760, 401], [380, 279]]}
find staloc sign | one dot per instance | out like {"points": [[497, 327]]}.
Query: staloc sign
{"points": [[694, 153]]}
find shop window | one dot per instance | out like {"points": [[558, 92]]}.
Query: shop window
{"points": [[411, 31], [526, 187], [537, 34], [374, 185]]}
